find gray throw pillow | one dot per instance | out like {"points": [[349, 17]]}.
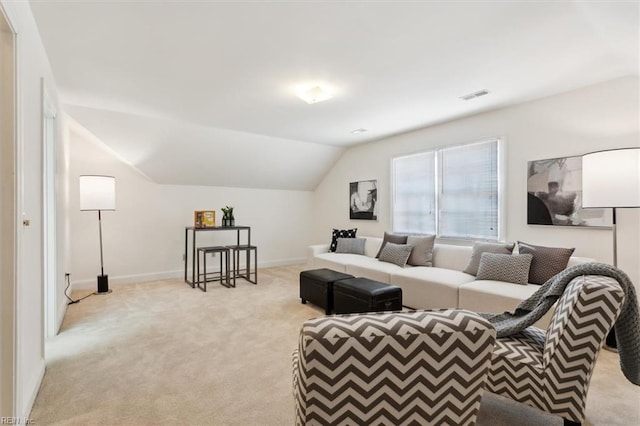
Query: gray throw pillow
{"points": [[392, 238], [504, 267], [350, 245], [341, 233], [395, 253], [546, 262], [422, 253], [482, 247]]}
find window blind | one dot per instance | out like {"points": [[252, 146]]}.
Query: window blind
{"points": [[468, 204], [414, 201], [452, 192]]}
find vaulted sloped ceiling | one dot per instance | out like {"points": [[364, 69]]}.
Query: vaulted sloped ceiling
{"points": [[176, 152], [204, 93]]}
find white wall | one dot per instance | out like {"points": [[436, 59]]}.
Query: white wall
{"points": [[144, 238], [32, 66], [596, 117]]}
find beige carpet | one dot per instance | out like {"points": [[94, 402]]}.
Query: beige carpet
{"points": [[164, 353]]}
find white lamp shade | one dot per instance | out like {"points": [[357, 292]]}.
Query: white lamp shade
{"points": [[611, 178], [97, 192]]}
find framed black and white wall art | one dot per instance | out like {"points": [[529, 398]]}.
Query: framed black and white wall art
{"points": [[554, 195], [363, 200]]}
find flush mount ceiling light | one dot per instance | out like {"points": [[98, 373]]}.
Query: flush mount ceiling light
{"points": [[314, 95]]}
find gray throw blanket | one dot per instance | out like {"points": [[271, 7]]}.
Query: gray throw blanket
{"points": [[627, 327]]}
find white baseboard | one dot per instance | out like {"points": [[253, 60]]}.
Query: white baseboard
{"points": [[92, 283], [283, 262], [87, 284]]}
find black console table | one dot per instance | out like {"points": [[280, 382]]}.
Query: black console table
{"points": [[194, 246]]}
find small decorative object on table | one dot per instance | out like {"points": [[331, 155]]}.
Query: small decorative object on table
{"points": [[227, 216], [204, 218]]}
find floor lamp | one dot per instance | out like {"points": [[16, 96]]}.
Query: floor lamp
{"points": [[611, 179], [98, 193]]}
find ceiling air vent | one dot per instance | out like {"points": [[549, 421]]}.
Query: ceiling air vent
{"points": [[474, 95]]}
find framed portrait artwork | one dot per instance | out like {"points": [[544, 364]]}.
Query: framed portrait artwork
{"points": [[554, 195], [363, 200]]}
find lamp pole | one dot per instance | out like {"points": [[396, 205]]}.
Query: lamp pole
{"points": [[103, 280], [100, 231]]}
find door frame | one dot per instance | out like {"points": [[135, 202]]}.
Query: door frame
{"points": [[49, 215], [9, 196]]}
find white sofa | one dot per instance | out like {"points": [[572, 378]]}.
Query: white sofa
{"points": [[442, 286]]}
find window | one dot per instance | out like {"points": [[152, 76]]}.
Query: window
{"points": [[452, 192], [414, 193]]}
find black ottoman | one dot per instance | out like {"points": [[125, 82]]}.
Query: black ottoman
{"points": [[357, 295], [316, 286]]}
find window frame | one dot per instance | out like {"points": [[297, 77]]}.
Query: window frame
{"points": [[437, 150]]}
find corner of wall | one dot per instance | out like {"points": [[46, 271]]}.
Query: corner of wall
{"points": [[33, 386], [60, 313]]}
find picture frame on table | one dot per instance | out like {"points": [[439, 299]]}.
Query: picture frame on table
{"points": [[204, 218]]}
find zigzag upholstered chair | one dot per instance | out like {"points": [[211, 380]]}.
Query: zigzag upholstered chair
{"points": [[551, 370], [420, 367]]}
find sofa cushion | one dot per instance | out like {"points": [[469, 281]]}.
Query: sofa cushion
{"points": [[372, 268], [350, 245], [511, 268], [480, 247], [372, 246], [451, 256], [497, 297], [336, 261], [577, 260], [428, 287], [392, 238], [546, 262], [422, 253], [341, 233], [398, 254]]}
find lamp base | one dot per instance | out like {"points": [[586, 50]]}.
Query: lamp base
{"points": [[103, 285]]}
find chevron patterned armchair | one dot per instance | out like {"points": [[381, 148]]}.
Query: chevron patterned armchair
{"points": [[419, 367], [551, 370]]}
